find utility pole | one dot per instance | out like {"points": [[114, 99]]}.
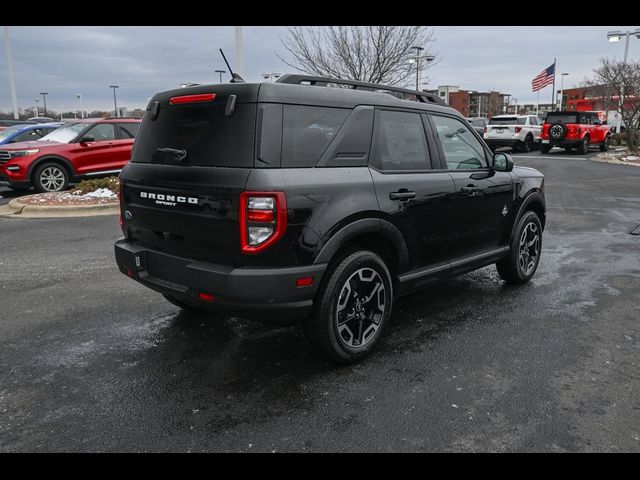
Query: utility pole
{"points": [[12, 81], [418, 50], [44, 100], [115, 103], [239, 52]]}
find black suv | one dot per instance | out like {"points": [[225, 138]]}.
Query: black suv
{"points": [[298, 201]]}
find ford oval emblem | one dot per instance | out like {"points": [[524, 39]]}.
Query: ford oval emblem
{"points": [[128, 215]]}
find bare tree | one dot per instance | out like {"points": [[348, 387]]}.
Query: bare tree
{"points": [[376, 54], [622, 80]]}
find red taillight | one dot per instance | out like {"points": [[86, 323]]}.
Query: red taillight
{"points": [[120, 204], [485, 129], [263, 220], [206, 297], [201, 97], [304, 282], [518, 129]]}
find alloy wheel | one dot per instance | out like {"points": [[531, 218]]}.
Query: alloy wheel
{"points": [[529, 248], [52, 179], [361, 307]]}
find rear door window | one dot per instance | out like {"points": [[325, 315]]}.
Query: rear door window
{"points": [[198, 134], [307, 132], [399, 142], [102, 132]]}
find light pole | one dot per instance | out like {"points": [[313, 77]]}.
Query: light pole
{"points": [[36, 100], [418, 50], [617, 35], [115, 103], [562, 75], [12, 81], [79, 97], [221, 72], [44, 101]]}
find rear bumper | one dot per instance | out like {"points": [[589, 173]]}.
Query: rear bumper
{"points": [[565, 142], [502, 142], [263, 294]]}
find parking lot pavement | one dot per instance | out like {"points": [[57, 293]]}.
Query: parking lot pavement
{"points": [[91, 361], [7, 194]]}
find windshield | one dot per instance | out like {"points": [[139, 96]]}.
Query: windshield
{"points": [[6, 133], [563, 118], [65, 133]]}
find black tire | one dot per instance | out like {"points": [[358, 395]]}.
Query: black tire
{"points": [[567, 149], [180, 304], [526, 145], [545, 148], [604, 146], [520, 266], [583, 147], [50, 177], [364, 274]]}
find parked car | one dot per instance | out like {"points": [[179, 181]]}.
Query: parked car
{"points": [[580, 130], [87, 148], [41, 119], [478, 123], [520, 132], [26, 133], [4, 124], [305, 202]]}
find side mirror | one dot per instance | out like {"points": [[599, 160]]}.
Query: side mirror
{"points": [[502, 162], [87, 139]]}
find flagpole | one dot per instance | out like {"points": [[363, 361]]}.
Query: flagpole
{"points": [[538, 103], [553, 94]]}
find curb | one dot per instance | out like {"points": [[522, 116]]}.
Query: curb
{"points": [[597, 158], [19, 209]]}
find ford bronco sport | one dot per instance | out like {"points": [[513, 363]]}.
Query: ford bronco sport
{"points": [[297, 201], [574, 130]]}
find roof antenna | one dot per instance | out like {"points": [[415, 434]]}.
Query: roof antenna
{"points": [[235, 78]]}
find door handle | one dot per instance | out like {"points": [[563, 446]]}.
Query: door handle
{"points": [[403, 194], [471, 191]]}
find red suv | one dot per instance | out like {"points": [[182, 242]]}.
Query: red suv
{"points": [[83, 149], [574, 129]]}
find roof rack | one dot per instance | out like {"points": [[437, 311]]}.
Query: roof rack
{"points": [[423, 97]]}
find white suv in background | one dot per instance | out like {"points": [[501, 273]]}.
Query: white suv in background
{"points": [[520, 132]]}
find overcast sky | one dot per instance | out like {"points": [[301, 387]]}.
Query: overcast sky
{"points": [[64, 61]]}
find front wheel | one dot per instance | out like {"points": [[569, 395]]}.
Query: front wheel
{"points": [[583, 148], [50, 177], [524, 255], [604, 146], [352, 308]]}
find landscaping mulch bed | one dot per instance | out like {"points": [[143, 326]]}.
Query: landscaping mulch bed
{"points": [[98, 197]]}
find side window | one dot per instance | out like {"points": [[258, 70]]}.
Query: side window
{"points": [[28, 136], [128, 130], [400, 142], [461, 149], [102, 132], [533, 120], [307, 132]]}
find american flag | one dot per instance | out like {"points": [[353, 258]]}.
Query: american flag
{"points": [[544, 78]]}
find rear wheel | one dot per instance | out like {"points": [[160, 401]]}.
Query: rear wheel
{"points": [[50, 177], [524, 255], [604, 146], [352, 308], [545, 148], [583, 147], [526, 145]]}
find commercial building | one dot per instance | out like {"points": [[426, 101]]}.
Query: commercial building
{"points": [[471, 103]]}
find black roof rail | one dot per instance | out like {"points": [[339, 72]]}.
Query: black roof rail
{"points": [[295, 79]]}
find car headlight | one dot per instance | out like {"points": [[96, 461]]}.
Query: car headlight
{"points": [[23, 153]]}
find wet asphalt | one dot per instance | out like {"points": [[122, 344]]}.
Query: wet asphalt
{"points": [[92, 361]]}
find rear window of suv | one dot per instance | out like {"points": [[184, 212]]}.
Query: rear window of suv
{"points": [[508, 121], [198, 134], [563, 118]]}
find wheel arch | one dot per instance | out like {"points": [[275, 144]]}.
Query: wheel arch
{"points": [[51, 158], [376, 234], [534, 202]]}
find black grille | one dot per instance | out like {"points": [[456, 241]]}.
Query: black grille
{"points": [[4, 156]]}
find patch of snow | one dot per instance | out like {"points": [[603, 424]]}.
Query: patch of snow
{"points": [[630, 158], [100, 193]]}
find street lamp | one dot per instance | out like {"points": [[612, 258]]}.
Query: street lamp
{"points": [[79, 97], [562, 75], [44, 100], [115, 103], [221, 72], [617, 35], [418, 50], [36, 100]]}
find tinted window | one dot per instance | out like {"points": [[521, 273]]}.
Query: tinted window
{"points": [[505, 121], [202, 131], [561, 118], [533, 120], [128, 130], [400, 142], [28, 136], [307, 132], [102, 132], [462, 149]]}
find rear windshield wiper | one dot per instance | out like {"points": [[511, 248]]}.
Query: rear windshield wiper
{"points": [[170, 155]]}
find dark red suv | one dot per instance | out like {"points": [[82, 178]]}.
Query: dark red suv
{"points": [[83, 149], [574, 130]]}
